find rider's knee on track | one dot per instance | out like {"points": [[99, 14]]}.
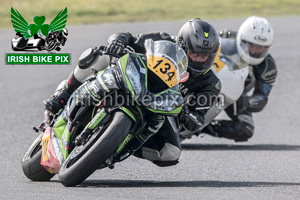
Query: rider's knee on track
{"points": [[167, 156]]}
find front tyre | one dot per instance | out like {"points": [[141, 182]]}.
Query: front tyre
{"points": [[85, 159], [31, 162]]}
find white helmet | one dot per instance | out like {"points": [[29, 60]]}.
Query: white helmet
{"points": [[257, 31]]}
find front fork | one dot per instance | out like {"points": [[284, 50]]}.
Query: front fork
{"points": [[137, 138], [97, 120], [137, 128], [101, 117]]}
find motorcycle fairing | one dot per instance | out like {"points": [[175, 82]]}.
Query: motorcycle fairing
{"points": [[63, 134], [135, 73], [52, 157]]}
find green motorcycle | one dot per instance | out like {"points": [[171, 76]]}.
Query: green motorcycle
{"points": [[96, 130]]}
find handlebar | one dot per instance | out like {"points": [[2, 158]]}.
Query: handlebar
{"points": [[128, 49]]}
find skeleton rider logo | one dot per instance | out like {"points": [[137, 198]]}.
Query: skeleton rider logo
{"points": [[39, 35]]}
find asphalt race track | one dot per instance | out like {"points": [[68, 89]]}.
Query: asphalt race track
{"points": [[266, 167]]}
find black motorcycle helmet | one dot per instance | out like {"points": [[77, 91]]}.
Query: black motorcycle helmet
{"points": [[200, 37]]}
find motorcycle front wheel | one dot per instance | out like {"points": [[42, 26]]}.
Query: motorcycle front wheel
{"points": [[31, 162], [85, 159]]}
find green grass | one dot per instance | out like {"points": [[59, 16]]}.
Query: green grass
{"points": [[103, 11]]}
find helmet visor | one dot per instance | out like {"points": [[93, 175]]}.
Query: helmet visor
{"points": [[196, 66], [254, 50]]}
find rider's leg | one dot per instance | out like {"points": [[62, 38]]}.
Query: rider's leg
{"points": [[154, 125], [90, 62], [240, 128], [164, 148]]}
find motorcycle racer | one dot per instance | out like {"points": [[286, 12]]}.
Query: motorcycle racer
{"points": [[200, 41], [252, 41]]}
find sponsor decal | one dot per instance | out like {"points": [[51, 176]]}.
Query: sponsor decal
{"points": [[65, 143], [205, 43], [260, 38], [108, 79], [57, 150], [205, 34], [37, 58], [203, 48], [67, 146]]}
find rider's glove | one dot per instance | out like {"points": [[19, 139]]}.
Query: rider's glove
{"points": [[191, 120], [242, 102], [115, 48]]}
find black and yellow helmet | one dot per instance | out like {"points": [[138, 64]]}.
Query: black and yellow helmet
{"points": [[200, 37]]}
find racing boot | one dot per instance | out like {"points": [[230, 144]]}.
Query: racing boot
{"points": [[60, 98], [234, 130], [211, 129]]}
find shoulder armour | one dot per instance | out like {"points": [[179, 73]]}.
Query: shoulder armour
{"points": [[267, 70]]}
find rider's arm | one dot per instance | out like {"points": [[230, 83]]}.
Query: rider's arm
{"points": [[205, 96], [137, 41], [105, 82], [265, 74]]}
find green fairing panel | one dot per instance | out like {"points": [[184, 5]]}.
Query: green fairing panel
{"points": [[123, 62], [65, 141], [63, 134], [127, 139], [129, 113], [101, 80], [60, 126], [97, 119], [173, 112], [146, 71]]}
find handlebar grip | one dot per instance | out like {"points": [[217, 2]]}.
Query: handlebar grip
{"points": [[102, 49]]}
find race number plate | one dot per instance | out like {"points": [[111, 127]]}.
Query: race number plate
{"points": [[164, 69]]}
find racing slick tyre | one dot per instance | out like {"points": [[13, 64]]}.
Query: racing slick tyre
{"points": [[31, 162], [86, 158]]}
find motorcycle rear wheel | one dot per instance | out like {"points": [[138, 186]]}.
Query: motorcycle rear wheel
{"points": [[85, 159], [31, 162]]}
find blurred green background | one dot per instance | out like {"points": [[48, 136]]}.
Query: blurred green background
{"points": [[104, 11]]}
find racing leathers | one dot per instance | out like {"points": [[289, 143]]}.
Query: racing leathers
{"points": [[260, 82]]}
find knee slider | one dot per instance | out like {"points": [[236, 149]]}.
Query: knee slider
{"points": [[165, 163], [87, 58], [169, 156], [170, 152]]}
